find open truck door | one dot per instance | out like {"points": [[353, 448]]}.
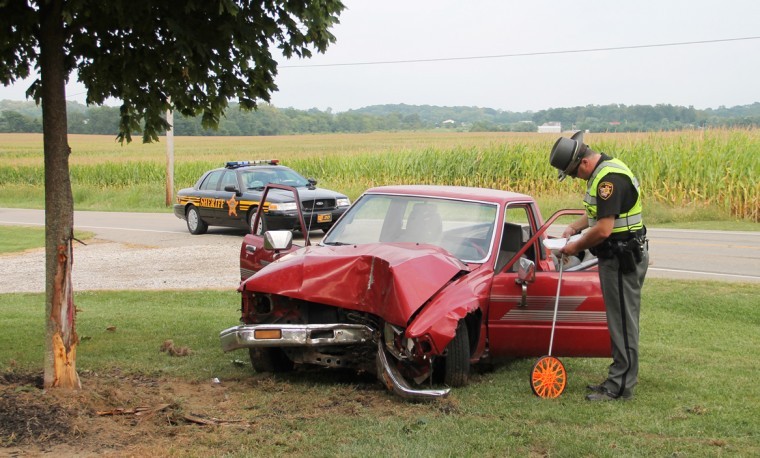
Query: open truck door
{"points": [[261, 249], [522, 299]]}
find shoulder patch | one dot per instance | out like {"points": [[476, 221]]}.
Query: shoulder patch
{"points": [[605, 190]]}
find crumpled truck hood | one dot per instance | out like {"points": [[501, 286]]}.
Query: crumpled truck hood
{"points": [[391, 280]]}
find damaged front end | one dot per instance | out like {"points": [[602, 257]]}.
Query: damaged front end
{"points": [[347, 307], [413, 356], [394, 381], [351, 340]]}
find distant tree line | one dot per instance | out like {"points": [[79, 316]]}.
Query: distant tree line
{"points": [[24, 116]]}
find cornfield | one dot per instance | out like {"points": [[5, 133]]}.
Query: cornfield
{"points": [[718, 168]]}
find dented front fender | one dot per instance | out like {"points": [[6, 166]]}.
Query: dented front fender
{"points": [[439, 318]]}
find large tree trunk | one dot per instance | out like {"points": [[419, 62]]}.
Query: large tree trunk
{"points": [[61, 337]]}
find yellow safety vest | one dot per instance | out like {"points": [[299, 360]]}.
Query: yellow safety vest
{"points": [[625, 222]]}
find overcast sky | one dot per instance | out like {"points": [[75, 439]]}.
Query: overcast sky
{"points": [[549, 70]]}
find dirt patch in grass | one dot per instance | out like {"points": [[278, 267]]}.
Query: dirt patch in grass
{"points": [[135, 415], [25, 417]]}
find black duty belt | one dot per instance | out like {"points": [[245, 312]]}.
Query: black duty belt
{"points": [[629, 251], [625, 236]]}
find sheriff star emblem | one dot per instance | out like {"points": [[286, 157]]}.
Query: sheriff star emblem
{"points": [[232, 203], [605, 190]]}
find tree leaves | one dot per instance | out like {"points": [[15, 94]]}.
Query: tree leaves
{"points": [[197, 53]]}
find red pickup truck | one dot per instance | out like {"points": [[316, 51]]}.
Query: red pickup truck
{"points": [[416, 283]]}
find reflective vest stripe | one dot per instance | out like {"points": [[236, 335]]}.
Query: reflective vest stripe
{"points": [[622, 222]]}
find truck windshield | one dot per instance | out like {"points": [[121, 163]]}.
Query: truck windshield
{"points": [[464, 228]]}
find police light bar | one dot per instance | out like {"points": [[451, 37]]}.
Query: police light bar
{"points": [[235, 164]]}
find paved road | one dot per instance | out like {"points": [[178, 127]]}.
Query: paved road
{"points": [[683, 254]]}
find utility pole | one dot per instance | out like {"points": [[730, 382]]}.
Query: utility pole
{"points": [[170, 157]]}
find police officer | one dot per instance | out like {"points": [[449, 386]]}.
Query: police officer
{"points": [[617, 236]]}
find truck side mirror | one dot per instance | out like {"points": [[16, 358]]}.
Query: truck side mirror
{"points": [[278, 240], [526, 271]]}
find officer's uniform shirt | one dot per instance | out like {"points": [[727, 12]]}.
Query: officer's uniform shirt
{"points": [[615, 193]]}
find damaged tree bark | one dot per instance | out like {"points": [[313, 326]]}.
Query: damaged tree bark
{"points": [[61, 338]]}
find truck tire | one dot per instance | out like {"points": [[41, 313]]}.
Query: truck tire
{"points": [[271, 360], [457, 361], [195, 224]]}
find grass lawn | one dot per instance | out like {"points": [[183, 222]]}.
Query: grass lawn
{"points": [[20, 238], [698, 393]]}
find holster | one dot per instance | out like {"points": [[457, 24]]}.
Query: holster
{"points": [[629, 252], [627, 261]]}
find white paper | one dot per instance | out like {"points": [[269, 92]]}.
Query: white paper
{"points": [[556, 244]]}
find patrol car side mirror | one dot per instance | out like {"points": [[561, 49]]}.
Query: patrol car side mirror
{"points": [[278, 240], [232, 188], [312, 182]]}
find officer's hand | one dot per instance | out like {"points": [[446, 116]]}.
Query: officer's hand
{"points": [[569, 232], [571, 249]]}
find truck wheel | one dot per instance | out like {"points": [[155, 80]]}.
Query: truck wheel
{"points": [[195, 224], [270, 360], [457, 361]]}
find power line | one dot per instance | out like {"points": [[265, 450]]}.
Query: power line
{"points": [[502, 56], [526, 54]]}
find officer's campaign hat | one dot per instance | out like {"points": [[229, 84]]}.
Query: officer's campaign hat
{"points": [[565, 154]]}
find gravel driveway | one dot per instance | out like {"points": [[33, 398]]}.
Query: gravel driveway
{"points": [[109, 265], [131, 251]]}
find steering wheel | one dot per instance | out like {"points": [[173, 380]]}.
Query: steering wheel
{"points": [[478, 249]]}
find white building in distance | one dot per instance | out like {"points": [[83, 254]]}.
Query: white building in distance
{"points": [[550, 128]]}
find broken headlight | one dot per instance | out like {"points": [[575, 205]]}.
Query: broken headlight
{"points": [[395, 342]]}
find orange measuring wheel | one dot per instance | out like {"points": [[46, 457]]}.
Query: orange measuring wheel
{"points": [[548, 377]]}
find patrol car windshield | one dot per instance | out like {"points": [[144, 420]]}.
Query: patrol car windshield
{"points": [[260, 177]]}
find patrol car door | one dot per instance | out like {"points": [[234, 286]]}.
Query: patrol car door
{"points": [[207, 193], [520, 314], [229, 211]]}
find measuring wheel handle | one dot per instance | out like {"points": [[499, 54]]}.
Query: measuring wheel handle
{"points": [[548, 377]]}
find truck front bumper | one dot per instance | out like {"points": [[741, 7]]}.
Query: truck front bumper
{"points": [[315, 335], [294, 335]]}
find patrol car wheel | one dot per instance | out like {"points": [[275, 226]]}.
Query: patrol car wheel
{"points": [[251, 216], [457, 360], [195, 224]]}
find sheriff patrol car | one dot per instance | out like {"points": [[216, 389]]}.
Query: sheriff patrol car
{"points": [[230, 195]]}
